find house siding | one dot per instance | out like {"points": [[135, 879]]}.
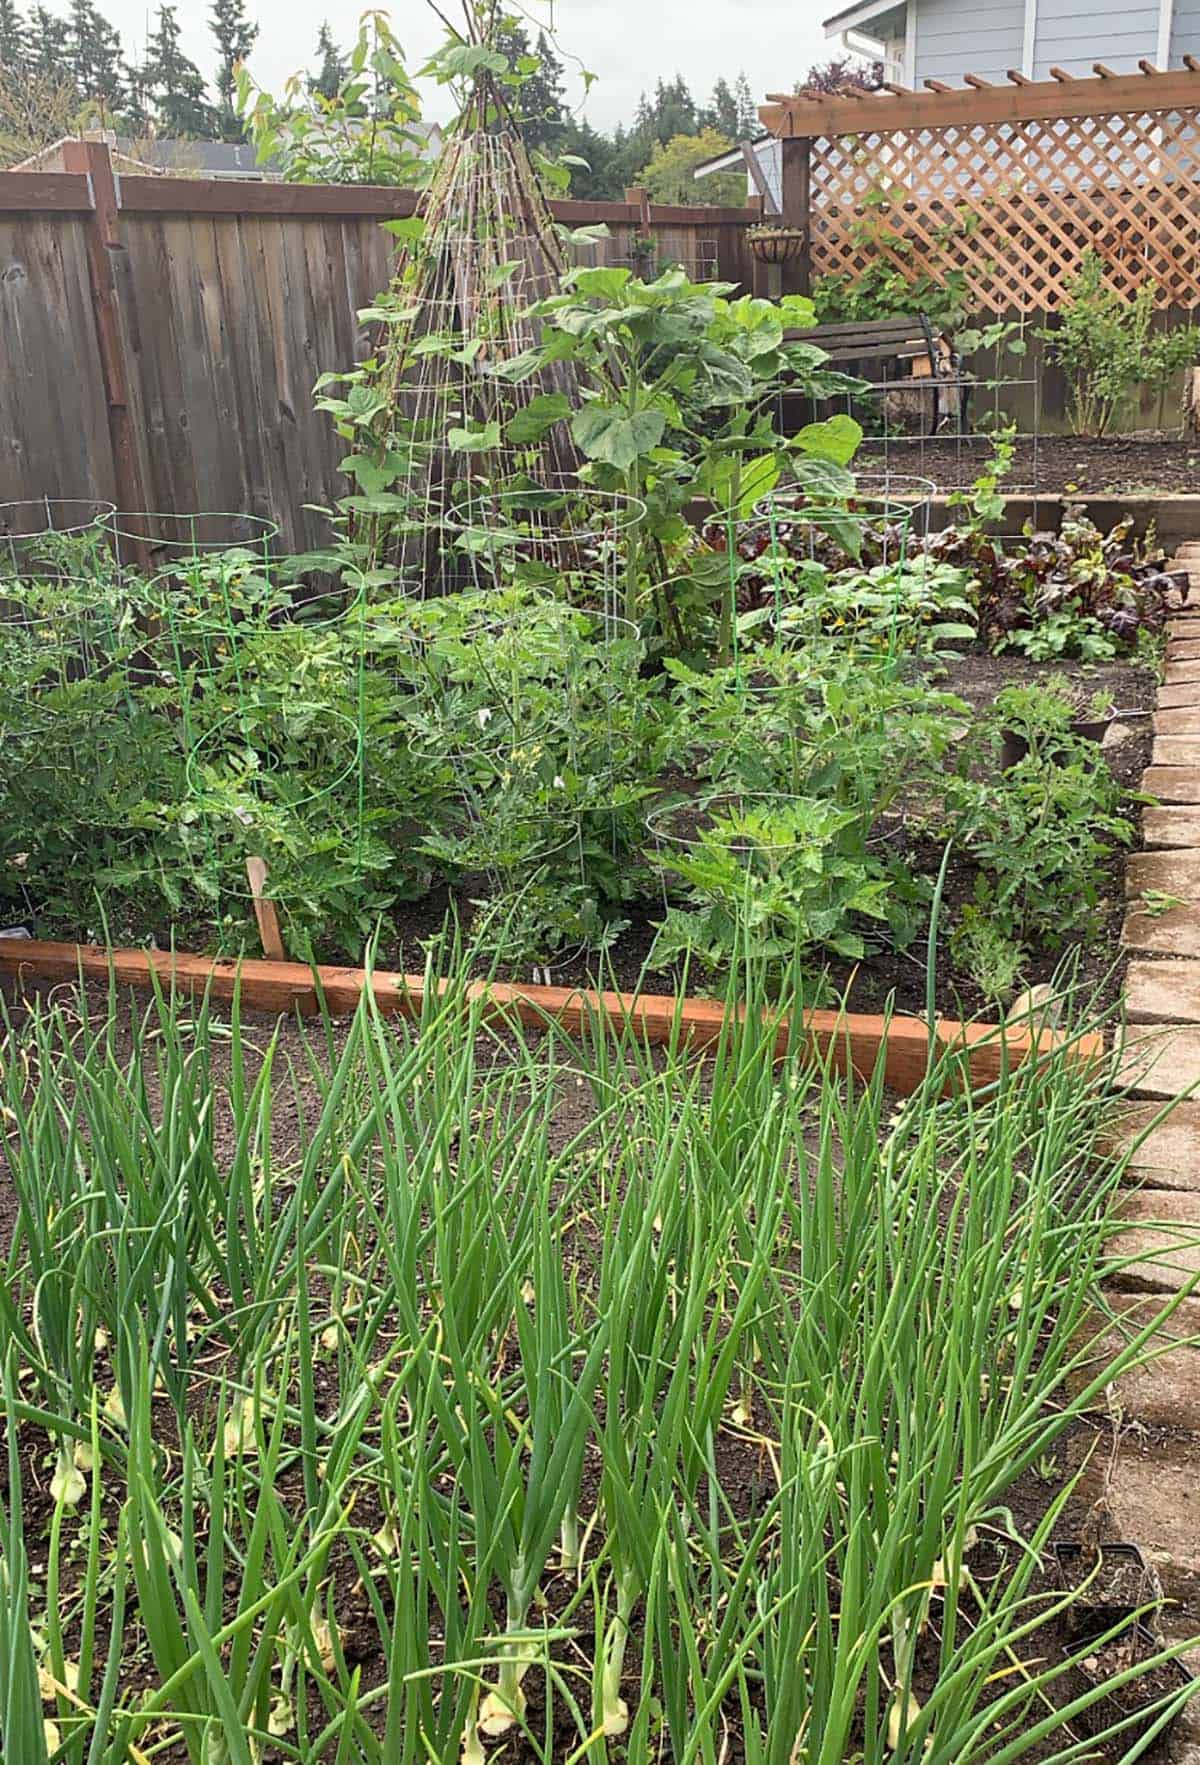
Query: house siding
{"points": [[1116, 35], [770, 158], [1185, 31], [953, 39]]}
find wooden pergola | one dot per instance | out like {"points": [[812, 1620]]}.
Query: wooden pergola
{"points": [[1033, 172]]}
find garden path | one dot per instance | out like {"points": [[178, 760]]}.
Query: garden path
{"points": [[1154, 1493]]}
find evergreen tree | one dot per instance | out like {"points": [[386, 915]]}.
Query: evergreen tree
{"points": [[673, 111], [333, 68], [175, 84], [544, 98], [138, 118], [235, 34], [749, 122], [540, 102], [93, 56], [46, 49], [12, 36], [721, 112], [599, 179]]}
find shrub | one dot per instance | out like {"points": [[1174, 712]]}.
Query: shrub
{"points": [[1107, 348]]}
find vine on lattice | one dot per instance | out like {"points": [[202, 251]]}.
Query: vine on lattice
{"points": [[1011, 209]]}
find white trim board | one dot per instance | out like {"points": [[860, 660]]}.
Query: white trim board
{"points": [[1166, 20], [1029, 39], [853, 16]]}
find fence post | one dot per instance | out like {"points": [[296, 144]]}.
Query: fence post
{"points": [[94, 160], [796, 156], [639, 197]]}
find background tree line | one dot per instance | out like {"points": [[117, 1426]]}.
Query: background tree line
{"points": [[670, 134], [63, 71]]}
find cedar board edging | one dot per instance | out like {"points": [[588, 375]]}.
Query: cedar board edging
{"points": [[848, 1040]]}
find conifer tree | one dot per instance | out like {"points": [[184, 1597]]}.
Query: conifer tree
{"points": [[93, 56], [235, 34], [175, 84], [46, 43], [333, 67], [749, 124], [12, 36], [721, 112]]}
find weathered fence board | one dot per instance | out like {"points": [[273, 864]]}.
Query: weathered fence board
{"points": [[53, 428]]}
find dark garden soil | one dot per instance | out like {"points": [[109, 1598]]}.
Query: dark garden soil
{"points": [[1053, 464]]}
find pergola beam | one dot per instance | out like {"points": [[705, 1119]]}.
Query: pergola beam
{"points": [[1022, 100]]}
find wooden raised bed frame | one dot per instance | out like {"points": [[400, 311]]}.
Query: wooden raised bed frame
{"points": [[846, 1039]]}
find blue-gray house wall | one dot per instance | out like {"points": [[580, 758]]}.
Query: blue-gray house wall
{"points": [[1185, 30], [952, 39], [1072, 39], [923, 40]]}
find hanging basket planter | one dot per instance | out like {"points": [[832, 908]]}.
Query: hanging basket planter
{"points": [[776, 245]]}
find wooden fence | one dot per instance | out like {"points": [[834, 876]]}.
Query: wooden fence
{"points": [[1007, 185], [160, 337]]}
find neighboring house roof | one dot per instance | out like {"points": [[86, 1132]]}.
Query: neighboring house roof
{"points": [[237, 159], [769, 161], [207, 159], [158, 157], [50, 159], [861, 13]]}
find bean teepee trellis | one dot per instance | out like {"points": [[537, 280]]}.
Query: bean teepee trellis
{"points": [[457, 330]]}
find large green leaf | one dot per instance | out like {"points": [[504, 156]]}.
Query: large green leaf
{"points": [[618, 438], [463, 60], [836, 439], [409, 230], [759, 479], [601, 284], [539, 415], [760, 323], [474, 441], [797, 312]]}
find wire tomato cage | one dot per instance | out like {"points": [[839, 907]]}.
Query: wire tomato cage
{"points": [[34, 517], [573, 540], [57, 634], [169, 539], [744, 825], [519, 697], [51, 536]]}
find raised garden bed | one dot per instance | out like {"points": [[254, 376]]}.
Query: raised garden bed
{"points": [[900, 1047]]}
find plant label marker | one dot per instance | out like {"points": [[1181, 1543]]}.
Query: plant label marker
{"points": [[264, 912]]}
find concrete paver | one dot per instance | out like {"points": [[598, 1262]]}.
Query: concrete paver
{"points": [[1171, 783], [1174, 932], [1165, 873], [1163, 1234], [1171, 826]]}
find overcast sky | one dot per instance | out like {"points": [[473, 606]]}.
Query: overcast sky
{"points": [[628, 44]]}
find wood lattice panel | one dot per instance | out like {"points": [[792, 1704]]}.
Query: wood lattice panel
{"points": [[1015, 205]]}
